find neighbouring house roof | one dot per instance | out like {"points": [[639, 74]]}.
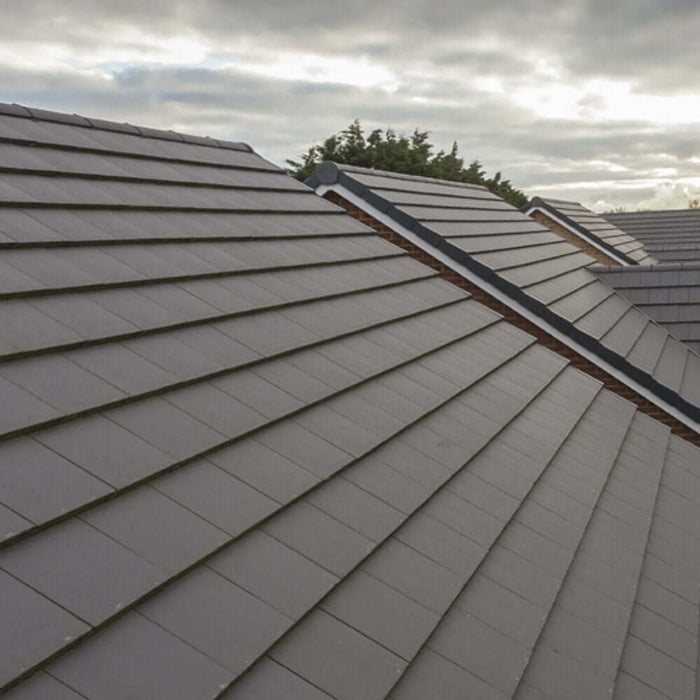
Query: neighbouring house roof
{"points": [[621, 246], [668, 293], [250, 449], [532, 269], [671, 236]]}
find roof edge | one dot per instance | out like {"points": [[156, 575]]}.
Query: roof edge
{"points": [[36, 114]]}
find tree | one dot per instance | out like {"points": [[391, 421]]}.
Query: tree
{"points": [[384, 150]]}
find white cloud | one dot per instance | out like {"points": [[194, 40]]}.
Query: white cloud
{"points": [[315, 68]]}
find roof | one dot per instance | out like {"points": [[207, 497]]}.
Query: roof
{"points": [[669, 293], [623, 246], [531, 268], [255, 451], [671, 236]]}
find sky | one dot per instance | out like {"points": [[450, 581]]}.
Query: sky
{"points": [[596, 101]]}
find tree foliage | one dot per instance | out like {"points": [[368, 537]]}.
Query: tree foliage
{"points": [[385, 150]]}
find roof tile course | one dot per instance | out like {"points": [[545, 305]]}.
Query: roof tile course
{"points": [[263, 453]]}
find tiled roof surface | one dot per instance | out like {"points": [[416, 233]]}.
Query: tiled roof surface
{"points": [[595, 227], [671, 236], [532, 266], [251, 450], [668, 293]]}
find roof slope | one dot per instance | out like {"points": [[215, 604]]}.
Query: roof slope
{"points": [[534, 268], [671, 236], [668, 293], [256, 451], [594, 228]]}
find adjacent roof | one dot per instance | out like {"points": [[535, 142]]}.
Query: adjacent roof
{"points": [[671, 236], [668, 293], [249, 449], [530, 266], [593, 228]]}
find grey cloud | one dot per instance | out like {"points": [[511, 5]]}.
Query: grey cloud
{"points": [[432, 48]]}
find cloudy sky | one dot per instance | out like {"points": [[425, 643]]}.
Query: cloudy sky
{"points": [[593, 100]]}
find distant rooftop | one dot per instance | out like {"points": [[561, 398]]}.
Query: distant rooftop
{"points": [[671, 236], [615, 246]]}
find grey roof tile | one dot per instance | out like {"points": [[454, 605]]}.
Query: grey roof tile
{"points": [[268, 679], [665, 635], [381, 613], [173, 355], [274, 573], [356, 508], [216, 496], [86, 318], [156, 528], [42, 686], [33, 627], [443, 545], [112, 454], [504, 610], [414, 574], [11, 523], [60, 383], [121, 367], [627, 687], [657, 670], [82, 570], [169, 668], [325, 540], [558, 683], [263, 397], [264, 469], [338, 659], [211, 404], [386, 483], [432, 675], [305, 448], [42, 485], [27, 408], [479, 649], [213, 625], [166, 427]]}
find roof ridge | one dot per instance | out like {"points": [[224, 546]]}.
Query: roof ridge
{"points": [[16, 110], [342, 167]]}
